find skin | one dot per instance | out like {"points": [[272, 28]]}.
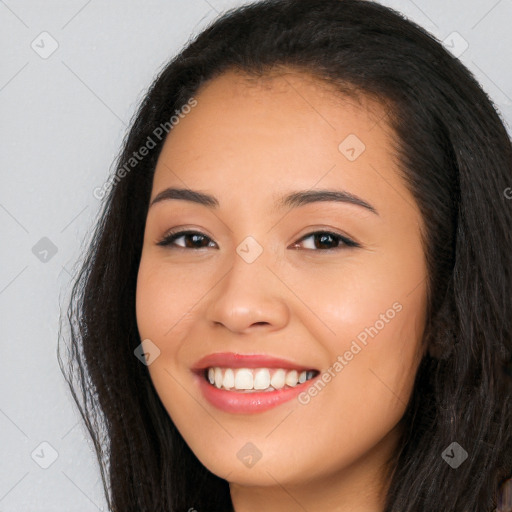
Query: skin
{"points": [[249, 142]]}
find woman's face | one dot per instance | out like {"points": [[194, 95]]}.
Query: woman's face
{"points": [[327, 285]]}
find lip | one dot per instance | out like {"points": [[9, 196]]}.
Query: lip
{"points": [[235, 402], [234, 360]]}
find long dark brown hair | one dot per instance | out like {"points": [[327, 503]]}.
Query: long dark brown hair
{"points": [[455, 156]]}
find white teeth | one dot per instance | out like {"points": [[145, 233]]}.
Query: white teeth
{"points": [[218, 377], [248, 379], [229, 379], [291, 378], [277, 380], [243, 379], [261, 379]]}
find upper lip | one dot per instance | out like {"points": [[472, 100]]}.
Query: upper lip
{"points": [[235, 360]]}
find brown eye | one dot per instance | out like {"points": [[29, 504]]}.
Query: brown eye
{"points": [[326, 240], [320, 240], [192, 240]]}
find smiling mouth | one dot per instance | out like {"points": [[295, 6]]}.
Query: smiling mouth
{"points": [[252, 380]]}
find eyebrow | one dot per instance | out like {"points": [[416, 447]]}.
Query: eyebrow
{"points": [[293, 200]]}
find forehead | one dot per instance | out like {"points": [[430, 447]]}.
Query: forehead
{"points": [[269, 132], [289, 92]]}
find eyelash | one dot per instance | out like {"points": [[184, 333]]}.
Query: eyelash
{"points": [[169, 238]]}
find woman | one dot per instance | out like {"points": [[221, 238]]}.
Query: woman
{"points": [[298, 294]]}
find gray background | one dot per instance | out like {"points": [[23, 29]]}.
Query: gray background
{"points": [[63, 116]]}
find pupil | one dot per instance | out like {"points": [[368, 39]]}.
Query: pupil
{"points": [[195, 238], [323, 237]]}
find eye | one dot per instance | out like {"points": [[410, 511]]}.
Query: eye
{"points": [[326, 238], [195, 239]]}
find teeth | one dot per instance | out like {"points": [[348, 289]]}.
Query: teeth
{"points": [[248, 379], [229, 379], [261, 378], [291, 378], [218, 377], [277, 380], [243, 379]]}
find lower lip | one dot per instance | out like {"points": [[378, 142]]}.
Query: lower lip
{"points": [[248, 403]]}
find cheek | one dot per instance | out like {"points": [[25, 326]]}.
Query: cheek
{"points": [[165, 296], [369, 380], [153, 298], [365, 302], [375, 315]]}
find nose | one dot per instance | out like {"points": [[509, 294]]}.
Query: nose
{"points": [[249, 297]]}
